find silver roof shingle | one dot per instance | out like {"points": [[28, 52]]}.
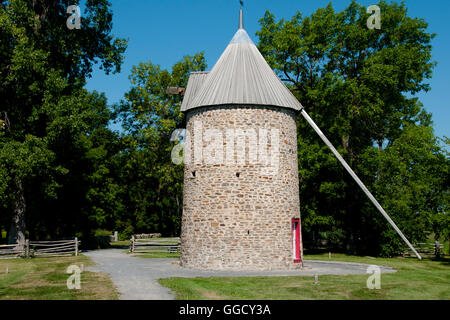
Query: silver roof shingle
{"points": [[196, 80], [241, 76]]}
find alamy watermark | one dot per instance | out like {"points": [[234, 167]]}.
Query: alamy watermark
{"points": [[374, 281], [230, 146], [74, 281], [74, 21], [374, 21]]}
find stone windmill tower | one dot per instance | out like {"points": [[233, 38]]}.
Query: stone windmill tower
{"points": [[241, 207]]}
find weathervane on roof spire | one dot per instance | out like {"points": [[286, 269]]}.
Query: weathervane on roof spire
{"points": [[241, 15]]}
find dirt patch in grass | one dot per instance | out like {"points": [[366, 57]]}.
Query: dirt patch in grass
{"points": [[211, 295]]}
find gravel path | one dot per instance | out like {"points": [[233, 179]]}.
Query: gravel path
{"points": [[136, 278]]}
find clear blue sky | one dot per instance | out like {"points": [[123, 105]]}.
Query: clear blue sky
{"points": [[164, 31]]}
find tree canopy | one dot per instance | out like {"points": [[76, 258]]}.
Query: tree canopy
{"points": [[149, 116], [46, 150], [358, 85]]}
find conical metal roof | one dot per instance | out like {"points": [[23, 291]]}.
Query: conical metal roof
{"points": [[240, 77]]}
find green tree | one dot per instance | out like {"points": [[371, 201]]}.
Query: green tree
{"points": [[150, 115], [412, 182], [358, 85], [43, 67]]}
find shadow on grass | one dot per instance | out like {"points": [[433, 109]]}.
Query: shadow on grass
{"points": [[445, 261]]}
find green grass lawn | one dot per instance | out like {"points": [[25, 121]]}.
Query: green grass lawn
{"points": [[120, 244], [160, 255], [45, 279], [426, 279]]}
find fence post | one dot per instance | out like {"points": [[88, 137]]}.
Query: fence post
{"points": [[132, 244], [27, 248], [437, 249], [76, 246]]}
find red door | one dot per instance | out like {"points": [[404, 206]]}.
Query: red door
{"points": [[296, 240]]}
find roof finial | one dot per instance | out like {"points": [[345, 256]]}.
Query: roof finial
{"points": [[241, 15]]}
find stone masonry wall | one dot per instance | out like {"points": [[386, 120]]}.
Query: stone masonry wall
{"points": [[238, 217]]}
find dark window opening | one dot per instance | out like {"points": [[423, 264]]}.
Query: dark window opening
{"points": [[238, 174], [193, 174]]}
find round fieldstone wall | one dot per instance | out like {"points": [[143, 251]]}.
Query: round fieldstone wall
{"points": [[237, 212]]}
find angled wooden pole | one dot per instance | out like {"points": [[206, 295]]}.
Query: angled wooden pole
{"points": [[358, 181]]}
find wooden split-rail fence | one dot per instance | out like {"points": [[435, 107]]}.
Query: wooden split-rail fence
{"points": [[427, 249], [58, 248], [152, 245]]}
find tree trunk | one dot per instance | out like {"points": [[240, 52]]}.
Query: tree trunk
{"points": [[346, 143], [17, 229]]}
